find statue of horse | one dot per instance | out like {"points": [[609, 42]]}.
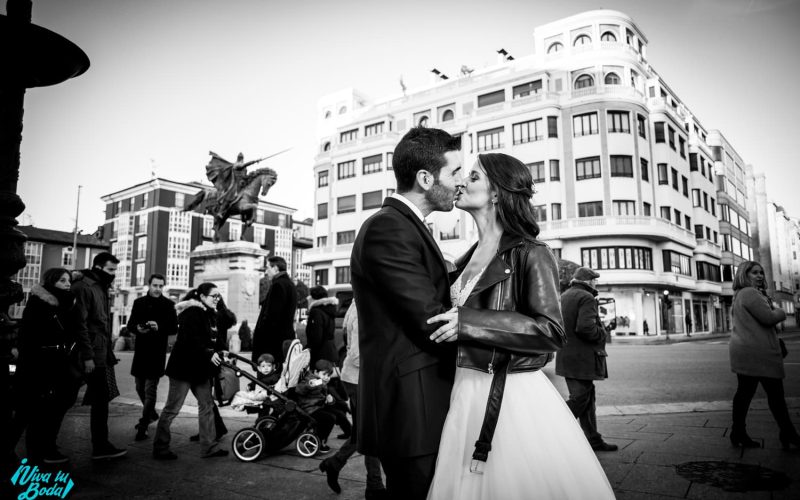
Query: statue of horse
{"points": [[244, 203]]}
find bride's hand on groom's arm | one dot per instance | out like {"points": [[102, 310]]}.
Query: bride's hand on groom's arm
{"points": [[448, 332]]}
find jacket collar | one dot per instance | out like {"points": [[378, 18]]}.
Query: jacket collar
{"points": [[332, 301], [421, 227], [42, 293], [496, 270], [585, 286], [187, 304]]}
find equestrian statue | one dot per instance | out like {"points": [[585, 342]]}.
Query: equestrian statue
{"points": [[235, 190]]}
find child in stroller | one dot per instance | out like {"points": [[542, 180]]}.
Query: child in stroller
{"points": [[281, 421], [316, 397], [256, 396]]}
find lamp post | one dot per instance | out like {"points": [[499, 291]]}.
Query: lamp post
{"points": [[664, 315]]}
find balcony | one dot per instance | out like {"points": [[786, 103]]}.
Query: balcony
{"points": [[652, 228], [708, 248], [327, 253]]}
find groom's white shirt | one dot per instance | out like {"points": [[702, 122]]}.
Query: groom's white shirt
{"points": [[410, 205]]}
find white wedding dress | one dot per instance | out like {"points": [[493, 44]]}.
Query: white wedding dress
{"points": [[538, 451]]}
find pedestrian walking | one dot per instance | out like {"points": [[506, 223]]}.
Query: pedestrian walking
{"points": [[688, 320], [191, 366], [583, 359], [645, 328], [46, 385], [153, 319], [756, 357], [321, 326], [333, 465], [276, 318], [91, 292]]}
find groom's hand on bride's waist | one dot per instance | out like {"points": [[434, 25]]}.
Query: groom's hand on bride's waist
{"points": [[448, 332]]}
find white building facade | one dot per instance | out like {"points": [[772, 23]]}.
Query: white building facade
{"points": [[625, 179]]}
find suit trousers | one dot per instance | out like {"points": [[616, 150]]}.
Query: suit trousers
{"points": [[97, 385], [409, 478], [583, 404]]}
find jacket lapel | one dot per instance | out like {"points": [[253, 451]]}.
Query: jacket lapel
{"points": [[423, 230], [496, 271]]}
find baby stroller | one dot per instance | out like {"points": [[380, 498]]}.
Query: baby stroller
{"points": [[280, 421]]}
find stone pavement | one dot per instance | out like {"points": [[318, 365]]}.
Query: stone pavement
{"points": [[654, 443]]}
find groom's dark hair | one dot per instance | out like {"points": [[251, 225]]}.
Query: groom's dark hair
{"points": [[421, 148]]}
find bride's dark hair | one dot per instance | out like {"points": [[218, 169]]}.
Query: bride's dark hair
{"points": [[514, 185]]}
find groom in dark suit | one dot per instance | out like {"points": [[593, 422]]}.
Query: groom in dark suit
{"points": [[400, 280]]}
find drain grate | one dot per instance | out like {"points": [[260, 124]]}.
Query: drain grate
{"points": [[734, 476]]}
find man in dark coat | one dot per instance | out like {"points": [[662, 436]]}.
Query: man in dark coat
{"points": [[91, 293], [399, 281], [321, 326], [276, 318], [583, 359], [153, 318]]}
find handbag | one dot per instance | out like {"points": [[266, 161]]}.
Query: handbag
{"points": [[784, 350], [226, 385]]}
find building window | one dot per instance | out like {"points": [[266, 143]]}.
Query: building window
{"points": [[647, 209], [685, 185], [584, 81], [617, 258], [705, 201], [695, 197], [322, 211], [555, 47], [682, 147], [141, 223], [619, 122], [585, 124], [372, 164], [663, 175], [491, 98], [348, 136], [140, 274], [208, 227], [322, 179], [677, 263], [326, 147], [141, 247], [713, 207], [374, 129], [674, 178], [343, 275], [490, 139], [540, 213], [389, 157], [447, 114], [666, 213], [708, 272], [623, 207], [587, 168], [621, 166], [526, 89], [322, 241], [346, 204], [555, 170], [641, 125], [693, 163], [145, 200], [259, 234], [345, 237], [608, 37], [645, 169], [373, 199], [590, 209], [612, 79], [687, 223], [179, 200], [537, 171], [527, 131], [582, 40], [555, 211], [677, 217], [698, 231], [552, 127], [347, 169], [235, 231], [671, 135], [67, 257], [321, 277], [659, 126]]}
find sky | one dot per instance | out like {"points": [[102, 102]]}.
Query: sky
{"points": [[172, 80]]}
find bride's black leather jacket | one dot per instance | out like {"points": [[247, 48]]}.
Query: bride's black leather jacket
{"points": [[514, 312]]}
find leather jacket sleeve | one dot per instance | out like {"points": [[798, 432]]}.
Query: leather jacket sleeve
{"points": [[535, 326]]}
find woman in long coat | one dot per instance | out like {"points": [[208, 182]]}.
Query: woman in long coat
{"points": [[755, 355]]}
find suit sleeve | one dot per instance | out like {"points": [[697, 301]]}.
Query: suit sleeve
{"points": [[276, 302], [84, 344], [536, 327], [83, 301], [134, 319], [392, 258], [757, 305]]}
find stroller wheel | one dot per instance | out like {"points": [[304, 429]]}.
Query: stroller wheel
{"points": [[248, 444], [307, 444], [265, 424]]}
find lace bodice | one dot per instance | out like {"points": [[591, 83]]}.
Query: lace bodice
{"points": [[458, 293]]}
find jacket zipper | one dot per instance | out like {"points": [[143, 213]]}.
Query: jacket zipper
{"points": [[497, 308]]}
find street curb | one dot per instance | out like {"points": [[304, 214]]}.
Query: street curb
{"points": [[688, 407]]}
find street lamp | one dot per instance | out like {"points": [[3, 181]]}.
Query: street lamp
{"points": [[664, 315]]}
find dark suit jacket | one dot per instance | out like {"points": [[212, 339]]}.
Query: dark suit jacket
{"points": [[276, 318], [400, 280], [150, 353], [584, 355]]}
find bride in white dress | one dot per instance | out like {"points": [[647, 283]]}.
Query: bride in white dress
{"points": [[507, 322]]}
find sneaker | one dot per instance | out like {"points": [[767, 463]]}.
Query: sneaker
{"points": [[218, 453], [108, 451], [165, 455], [55, 457]]}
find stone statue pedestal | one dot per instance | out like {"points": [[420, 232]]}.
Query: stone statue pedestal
{"points": [[236, 268]]}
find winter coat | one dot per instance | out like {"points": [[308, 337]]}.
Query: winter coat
{"points": [[351, 361], [320, 328], [190, 360], [94, 311], [276, 318], [754, 348], [311, 397], [48, 331], [150, 353], [584, 355]]}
